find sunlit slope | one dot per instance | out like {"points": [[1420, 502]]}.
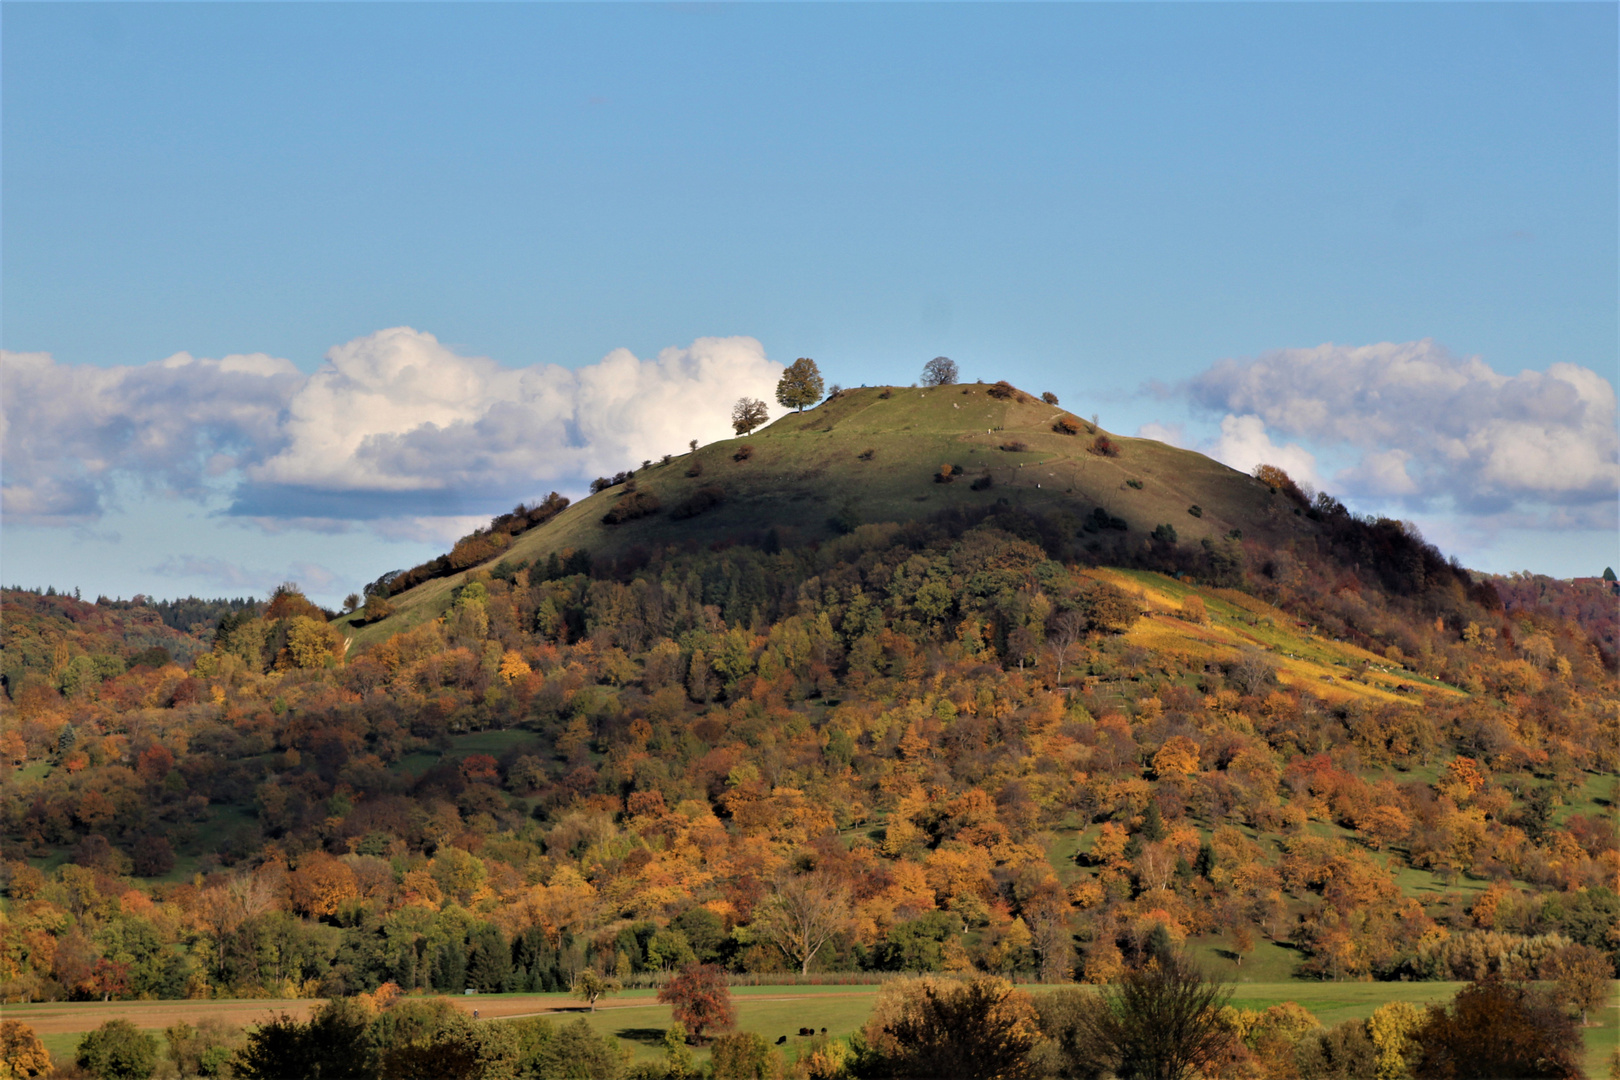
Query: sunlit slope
{"points": [[872, 454], [1234, 622]]}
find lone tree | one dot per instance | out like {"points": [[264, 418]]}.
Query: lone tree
{"points": [[748, 414], [801, 914], [1161, 1022], [591, 984], [699, 1000], [940, 371], [800, 385]]}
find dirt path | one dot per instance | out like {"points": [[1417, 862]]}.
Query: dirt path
{"points": [[59, 1017]]}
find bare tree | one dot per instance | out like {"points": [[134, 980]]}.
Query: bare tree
{"points": [[1161, 1022], [940, 371], [801, 914], [748, 414], [1062, 636]]}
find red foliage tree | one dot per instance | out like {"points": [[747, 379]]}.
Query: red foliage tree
{"points": [[699, 1000]]}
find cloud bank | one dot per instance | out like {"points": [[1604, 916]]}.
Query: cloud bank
{"points": [[394, 427], [1426, 429]]}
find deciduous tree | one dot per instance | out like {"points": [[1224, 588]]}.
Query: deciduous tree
{"points": [[800, 385]]}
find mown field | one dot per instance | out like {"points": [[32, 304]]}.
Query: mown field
{"points": [[772, 1011]]}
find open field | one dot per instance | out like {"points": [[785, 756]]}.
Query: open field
{"points": [[771, 1011]]}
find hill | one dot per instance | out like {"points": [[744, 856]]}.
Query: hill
{"points": [[876, 454], [991, 728]]}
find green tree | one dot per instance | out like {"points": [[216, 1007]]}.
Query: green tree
{"points": [[800, 384], [591, 984], [980, 1030], [118, 1050], [330, 1046]]}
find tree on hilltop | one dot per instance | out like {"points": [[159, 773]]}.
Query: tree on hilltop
{"points": [[800, 385], [940, 371], [748, 414]]}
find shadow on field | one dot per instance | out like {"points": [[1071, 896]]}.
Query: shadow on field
{"points": [[650, 1036]]}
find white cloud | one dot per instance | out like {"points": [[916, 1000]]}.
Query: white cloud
{"points": [[394, 425], [1171, 434], [1428, 428], [1244, 443]]}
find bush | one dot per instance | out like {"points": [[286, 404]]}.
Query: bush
{"points": [[1103, 446], [634, 504], [1066, 425], [1014, 446], [1195, 510], [932, 1027], [743, 453], [744, 1056], [866, 455], [1137, 484], [1495, 1030], [1165, 533], [983, 483], [1003, 390], [695, 468], [946, 474], [700, 501], [118, 1050], [1049, 397]]}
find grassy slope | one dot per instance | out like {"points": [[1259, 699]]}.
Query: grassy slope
{"points": [[806, 467]]}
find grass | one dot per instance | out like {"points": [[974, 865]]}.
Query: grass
{"points": [[806, 468], [774, 1011]]}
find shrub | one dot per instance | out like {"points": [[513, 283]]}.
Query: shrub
{"points": [[376, 610], [700, 501], [946, 474], [1049, 397], [695, 468], [634, 504], [932, 1027], [1195, 510], [1137, 484], [118, 1050], [743, 453], [1014, 446], [983, 483], [1103, 446], [867, 454], [1066, 425], [886, 395], [1002, 390], [744, 1056]]}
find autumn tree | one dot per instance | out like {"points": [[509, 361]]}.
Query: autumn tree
{"points": [[801, 914], [699, 1000], [1497, 1030], [940, 371], [748, 414], [800, 385], [22, 1054], [1582, 978]]}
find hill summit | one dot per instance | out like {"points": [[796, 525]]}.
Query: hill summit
{"points": [[886, 454]]}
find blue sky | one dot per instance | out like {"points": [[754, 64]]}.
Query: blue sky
{"points": [[1102, 200]]}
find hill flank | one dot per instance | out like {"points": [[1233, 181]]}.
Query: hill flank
{"points": [[875, 454]]}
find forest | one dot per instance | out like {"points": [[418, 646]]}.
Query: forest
{"points": [[962, 749]]}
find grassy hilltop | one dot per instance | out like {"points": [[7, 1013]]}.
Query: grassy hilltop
{"points": [[872, 454]]}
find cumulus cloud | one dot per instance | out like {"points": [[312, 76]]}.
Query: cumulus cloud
{"points": [[1244, 443], [394, 425], [1426, 427], [69, 432]]}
